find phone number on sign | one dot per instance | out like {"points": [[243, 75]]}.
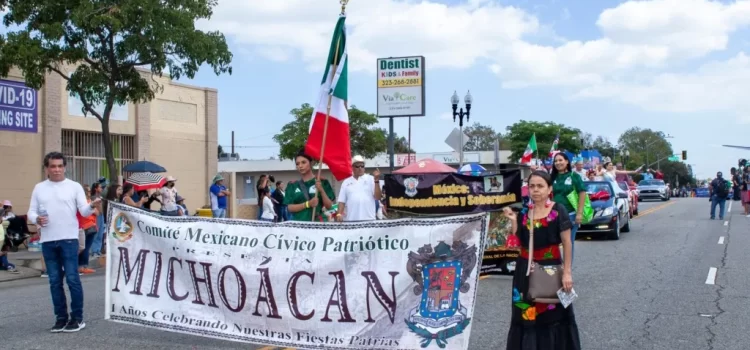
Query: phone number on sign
{"points": [[400, 82]]}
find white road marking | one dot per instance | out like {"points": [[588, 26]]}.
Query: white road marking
{"points": [[726, 223], [729, 210], [705, 315], [721, 240], [711, 279]]}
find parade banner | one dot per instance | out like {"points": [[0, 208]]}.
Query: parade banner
{"points": [[451, 193], [392, 284], [498, 259]]}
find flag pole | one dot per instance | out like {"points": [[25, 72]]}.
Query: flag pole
{"points": [[334, 68]]}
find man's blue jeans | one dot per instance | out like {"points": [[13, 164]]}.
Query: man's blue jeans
{"points": [[721, 202], [96, 245], [220, 213], [61, 258]]}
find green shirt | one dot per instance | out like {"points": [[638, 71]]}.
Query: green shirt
{"points": [[294, 195], [563, 185]]}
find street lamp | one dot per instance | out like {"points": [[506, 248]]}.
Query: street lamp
{"points": [[667, 136], [459, 112], [624, 155]]}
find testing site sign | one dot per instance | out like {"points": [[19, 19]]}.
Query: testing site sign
{"points": [[401, 87]]}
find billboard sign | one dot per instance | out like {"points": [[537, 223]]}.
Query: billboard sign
{"points": [[18, 107], [401, 87]]}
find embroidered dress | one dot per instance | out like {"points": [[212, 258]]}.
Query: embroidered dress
{"points": [[539, 326]]}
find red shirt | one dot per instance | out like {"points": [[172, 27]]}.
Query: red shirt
{"points": [[659, 175]]}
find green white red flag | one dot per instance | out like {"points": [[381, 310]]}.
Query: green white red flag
{"points": [[555, 146], [333, 88], [528, 154]]}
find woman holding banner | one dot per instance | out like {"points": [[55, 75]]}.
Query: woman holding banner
{"points": [[542, 323], [308, 193]]}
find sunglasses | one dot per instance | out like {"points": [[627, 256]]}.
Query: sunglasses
{"points": [[359, 166]]}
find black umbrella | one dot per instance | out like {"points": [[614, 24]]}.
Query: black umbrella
{"points": [[144, 166]]}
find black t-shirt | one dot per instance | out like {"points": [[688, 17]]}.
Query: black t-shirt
{"points": [[545, 236]]}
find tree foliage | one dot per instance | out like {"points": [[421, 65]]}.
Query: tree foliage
{"points": [[676, 172], [367, 140], [110, 41], [519, 134], [645, 146], [481, 137]]}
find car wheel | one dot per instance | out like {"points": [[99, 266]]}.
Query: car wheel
{"points": [[626, 228], [615, 234]]}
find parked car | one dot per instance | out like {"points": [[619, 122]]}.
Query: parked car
{"points": [[653, 189], [611, 213], [632, 198]]}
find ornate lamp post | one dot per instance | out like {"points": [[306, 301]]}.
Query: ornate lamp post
{"points": [[624, 156], [459, 112]]}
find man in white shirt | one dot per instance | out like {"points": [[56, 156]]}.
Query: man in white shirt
{"points": [[54, 203], [358, 194]]}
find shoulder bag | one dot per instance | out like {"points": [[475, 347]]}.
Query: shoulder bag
{"points": [[546, 280]]}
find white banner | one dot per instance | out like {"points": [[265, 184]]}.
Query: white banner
{"points": [[395, 284]]}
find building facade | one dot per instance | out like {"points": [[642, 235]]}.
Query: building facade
{"points": [[177, 130], [243, 175]]}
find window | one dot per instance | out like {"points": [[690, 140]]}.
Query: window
{"points": [[85, 153], [250, 195]]}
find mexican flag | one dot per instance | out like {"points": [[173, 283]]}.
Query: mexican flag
{"points": [[555, 145], [331, 105], [530, 149]]}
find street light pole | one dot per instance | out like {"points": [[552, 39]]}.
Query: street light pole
{"points": [[668, 136], [459, 112]]}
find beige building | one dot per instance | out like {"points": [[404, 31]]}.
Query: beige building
{"points": [[243, 175], [177, 130]]}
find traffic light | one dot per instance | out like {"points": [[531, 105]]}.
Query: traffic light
{"points": [[684, 155]]}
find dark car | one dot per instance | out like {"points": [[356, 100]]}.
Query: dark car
{"points": [[611, 215], [653, 189]]}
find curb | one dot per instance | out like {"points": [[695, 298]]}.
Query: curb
{"points": [[32, 268]]}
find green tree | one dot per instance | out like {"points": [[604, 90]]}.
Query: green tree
{"points": [[118, 45], [367, 140], [221, 151], [400, 144], [645, 146], [676, 172], [519, 134], [604, 147], [481, 137]]}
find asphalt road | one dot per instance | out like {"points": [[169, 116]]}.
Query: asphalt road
{"points": [[652, 289]]}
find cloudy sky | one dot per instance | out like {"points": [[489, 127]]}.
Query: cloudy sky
{"points": [[677, 66]]}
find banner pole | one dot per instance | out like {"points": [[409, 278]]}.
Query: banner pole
{"points": [[334, 68]]}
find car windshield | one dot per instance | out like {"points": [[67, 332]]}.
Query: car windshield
{"points": [[623, 186], [651, 183], [598, 187]]}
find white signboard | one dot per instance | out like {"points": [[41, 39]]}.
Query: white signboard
{"points": [[453, 158], [401, 86], [389, 284]]}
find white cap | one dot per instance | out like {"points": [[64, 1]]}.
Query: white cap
{"points": [[358, 159], [171, 179]]}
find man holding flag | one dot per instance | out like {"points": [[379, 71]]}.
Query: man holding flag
{"points": [[329, 139]]}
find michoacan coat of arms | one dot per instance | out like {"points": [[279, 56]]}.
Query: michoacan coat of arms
{"points": [[441, 275]]}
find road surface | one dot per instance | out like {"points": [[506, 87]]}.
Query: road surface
{"points": [[676, 281]]}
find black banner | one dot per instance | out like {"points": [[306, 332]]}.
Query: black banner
{"points": [[452, 193]]}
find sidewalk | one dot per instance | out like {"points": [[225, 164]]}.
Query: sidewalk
{"points": [[30, 265]]}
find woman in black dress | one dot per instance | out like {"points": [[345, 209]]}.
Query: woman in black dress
{"points": [[539, 326]]}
